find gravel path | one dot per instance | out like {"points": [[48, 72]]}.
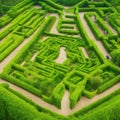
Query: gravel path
{"points": [[62, 56], [90, 34]]}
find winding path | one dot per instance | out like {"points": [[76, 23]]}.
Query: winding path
{"points": [[65, 109]]}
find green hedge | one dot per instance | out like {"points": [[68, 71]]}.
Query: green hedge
{"points": [[13, 107], [89, 94], [53, 4], [81, 28], [108, 84], [75, 95], [21, 84], [57, 94], [84, 111], [48, 7], [14, 40], [67, 3], [93, 27]]}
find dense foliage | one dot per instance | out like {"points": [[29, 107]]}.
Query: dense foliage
{"points": [[114, 2], [87, 70], [66, 2]]}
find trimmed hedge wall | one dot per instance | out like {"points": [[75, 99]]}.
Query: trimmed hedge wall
{"points": [[101, 108], [13, 107]]}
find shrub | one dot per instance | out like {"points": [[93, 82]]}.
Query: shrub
{"points": [[116, 56], [95, 81], [57, 94]]}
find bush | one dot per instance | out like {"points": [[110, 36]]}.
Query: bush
{"points": [[95, 82], [75, 95], [15, 108], [116, 56]]}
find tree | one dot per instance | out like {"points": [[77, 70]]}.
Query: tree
{"points": [[116, 56]]}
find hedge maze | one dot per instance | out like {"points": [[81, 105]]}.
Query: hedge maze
{"points": [[51, 63]]}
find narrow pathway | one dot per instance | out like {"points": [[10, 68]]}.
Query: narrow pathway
{"points": [[62, 56], [110, 27], [84, 52], [90, 34], [33, 57], [15, 52], [54, 28], [65, 104]]}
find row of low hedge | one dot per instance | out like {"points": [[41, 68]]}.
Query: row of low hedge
{"points": [[20, 56], [62, 26], [27, 30], [108, 84], [48, 7], [13, 107], [108, 110], [105, 9], [93, 27], [110, 44], [67, 26], [13, 12], [96, 104], [69, 31], [53, 4], [76, 90], [9, 47], [81, 28], [114, 22], [21, 84], [13, 24], [102, 24]]}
